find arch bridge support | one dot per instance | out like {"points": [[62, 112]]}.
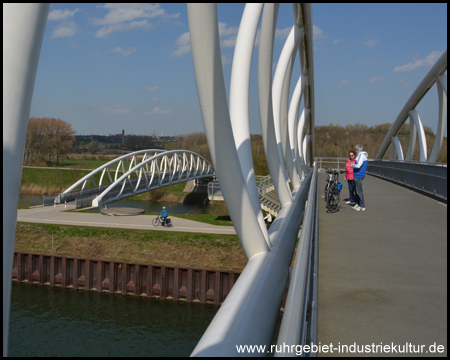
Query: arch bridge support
{"points": [[436, 75]]}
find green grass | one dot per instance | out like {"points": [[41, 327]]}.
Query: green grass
{"points": [[53, 177], [156, 247], [222, 220]]}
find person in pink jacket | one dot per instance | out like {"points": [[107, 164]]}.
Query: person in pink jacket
{"points": [[351, 200]]}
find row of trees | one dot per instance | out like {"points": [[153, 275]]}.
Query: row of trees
{"points": [[48, 139]]}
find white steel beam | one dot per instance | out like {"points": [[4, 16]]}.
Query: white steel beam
{"points": [[274, 160], [441, 85], [239, 100], [422, 139], [278, 84], [23, 31], [293, 122], [427, 82], [284, 120], [204, 33]]}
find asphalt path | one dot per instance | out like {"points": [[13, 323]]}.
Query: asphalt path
{"points": [[57, 215], [383, 272]]}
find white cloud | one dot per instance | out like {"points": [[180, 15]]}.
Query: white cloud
{"points": [[371, 43], [228, 36], [336, 41], [158, 111], [124, 17], [406, 81], [317, 33], [376, 80], [153, 88], [227, 31], [343, 83], [116, 110], [229, 43], [59, 15], [66, 29], [184, 45], [94, 104], [226, 59], [281, 34], [427, 62], [124, 52]]}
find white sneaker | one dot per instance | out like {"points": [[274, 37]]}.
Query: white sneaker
{"points": [[355, 207], [360, 208]]}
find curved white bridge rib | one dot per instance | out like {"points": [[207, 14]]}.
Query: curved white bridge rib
{"points": [[274, 161], [260, 287], [435, 75], [239, 99]]}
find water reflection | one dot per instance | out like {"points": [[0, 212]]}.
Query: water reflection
{"points": [[148, 206], [48, 321]]}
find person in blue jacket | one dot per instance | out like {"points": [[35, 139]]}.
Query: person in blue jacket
{"points": [[164, 215], [359, 172]]}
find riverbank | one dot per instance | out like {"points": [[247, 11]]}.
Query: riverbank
{"points": [[156, 247]]}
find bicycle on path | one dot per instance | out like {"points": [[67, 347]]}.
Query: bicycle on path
{"points": [[333, 189], [166, 222]]}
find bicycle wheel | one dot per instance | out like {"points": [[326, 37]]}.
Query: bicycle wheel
{"points": [[326, 191], [333, 199], [155, 221]]}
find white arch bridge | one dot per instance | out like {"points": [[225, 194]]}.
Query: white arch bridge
{"points": [[155, 169], [250, 311]]}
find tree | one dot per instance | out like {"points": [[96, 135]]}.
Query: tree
{"points": [[47, 140], [93, 146]]}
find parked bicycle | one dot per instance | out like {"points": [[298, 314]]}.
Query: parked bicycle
{"points": [[333, 189], [166, 222]]}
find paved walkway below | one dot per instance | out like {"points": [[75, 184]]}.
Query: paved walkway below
{"points": [[383, 272], [56, 215]]}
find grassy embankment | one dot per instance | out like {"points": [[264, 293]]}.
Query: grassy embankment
{"points": [[156, 247]]}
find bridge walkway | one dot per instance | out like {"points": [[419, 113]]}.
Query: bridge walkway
{"points": [[383, 272]]}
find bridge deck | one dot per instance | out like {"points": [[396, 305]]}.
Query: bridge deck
{"points": [[383, 272]]}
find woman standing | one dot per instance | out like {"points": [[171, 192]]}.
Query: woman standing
{"points": [[350, 179]]}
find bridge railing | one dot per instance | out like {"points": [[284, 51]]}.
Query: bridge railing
{"points": [[331, 162], [425, 177], [299, 323]]}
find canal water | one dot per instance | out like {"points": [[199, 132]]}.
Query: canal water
{"points": [[47, 321], [148, 206]]}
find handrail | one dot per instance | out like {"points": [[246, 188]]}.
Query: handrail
{"points": [[302, 292]]}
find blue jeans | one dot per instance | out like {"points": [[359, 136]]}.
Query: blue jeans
{"points": [[359, 192], [352, 190]]}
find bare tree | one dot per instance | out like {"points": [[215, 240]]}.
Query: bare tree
{"points": [[47, 140]]}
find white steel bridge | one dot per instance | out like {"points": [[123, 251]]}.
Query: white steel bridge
{"points": [[148, 170], [250, 311]]}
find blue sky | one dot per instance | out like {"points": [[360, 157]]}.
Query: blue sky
{"points": [[108, 67]]}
